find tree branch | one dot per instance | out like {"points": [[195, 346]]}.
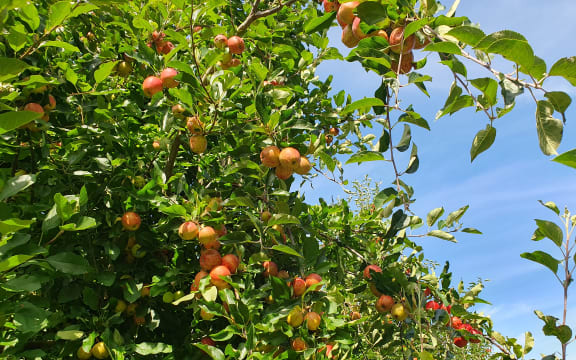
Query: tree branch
{"points": [[255, 15]]}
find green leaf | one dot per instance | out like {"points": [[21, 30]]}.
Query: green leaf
{"points": [[364, 156], [384, 141], [566, 68], [286, 249], [442, 235], [70, 335], [550, 205], [482, 141], [488, 40], [319, 24], [30, 318], [148, 348], [489, 88], [549, 128], [363, 104], [29, 13], [455, 216], [104, 71], [173, 210], [283, 219], [83, 223], [213, 352], [551, 231], [568, 158], [469, 35], [58, 13], [414, 162], [14, 119], [61, 44], [10, 68], [414, 118], [15, 185], [559, 99], [405, 140], [550, 328], [13, 261], [471, 231], [83, 9], [372, 12], [434, 215], [384, 197], [543, 258], [69, 263], [12, 225], [415, 26], [528, 342], [444, 47], [518, 51], [425, 355]]}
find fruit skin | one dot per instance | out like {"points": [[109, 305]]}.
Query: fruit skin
{"points": [[207, 341], [283, 274], [194, 125], [270, 268], [207, 235], [299, 345], [156, 145], [205, 315], [215, 275], [330, 6], [131, 221], [209, 259], [188, 230], [474, 331], [432, 305], [265, 216], [139, 320], [152, 85], [289, 158], [196, 284], [178, 294], [334, 131], [427, 292], [83, 355], [420, 45], [283, 173], [348, 37], [99, 351], [367, 269], [312, 321], [167, 76], [357, 30], [355, 315], [328, 138], [298, 286], [460, 342], [303, 167], [236, 45], [168, 297], [345, 14], [198, 144], [51, 103], [405, 64], [178, 109], [456, 323], [295, 317], [220, 41], [269, 156], [231, 261], [384, 303], [399, 312], [313, 279], [374, 290], [34, 107], [396, 41]]}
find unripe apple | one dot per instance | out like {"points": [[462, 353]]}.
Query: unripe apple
{"points": [[123, 68], [283, 173], [178, 109], [167, 76], [194, 125], [405, 64], [303, 166], [348, 37], [99, 351], [231, 261], [295, 317], [396, 44], [313, 321], [207, 235], [131, 221], [265, 216], [51, 103], [298, 286], [269, 156], [289, 158], [399, 312], [221, 41], [369, 268], [215, 275], [345, 14], [357, 30], [299, 345], [313, 279], [384, 303], [330, 6], [236, 45], [83, 355], [270, 268], [188, 230], [152, 85], [196, 284], [198, 144], [460, 342]]}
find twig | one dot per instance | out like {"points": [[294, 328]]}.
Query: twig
{"points": [[457, 78], [255, 14]]}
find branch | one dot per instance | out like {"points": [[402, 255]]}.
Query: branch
{"points": [[200, 76], [172, 157], [255, 14], [472, 95]]}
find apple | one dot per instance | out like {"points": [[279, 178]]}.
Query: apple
{"points": [[213, 245], [220, 41], [99, 351], [399, 312], [83, 355], [427, 292], [355, 315], [51, 103], [188, 230], [270, 268], [139, 320], [131, 309], [123, 69], [165, 48], [313, 279], [145, 291], [348, 37], [168, 297], [405, 64], [34, 107], [131, 221], [236, 45], [295, 317], [231, 261], [374, 290], [283, 173], [269, 156], [368, 269], [221, 230], [475, 340], [152, 85], [283, 274], [178, 109], [196, 284], [120, 306], [198, 144], [209, 259], [420, 44], [330, 6], [432, 305], [381, 33], [156, 145], [345, 15], [456, 323], [303, 166], [194, 125], [357, 30], [312, 321], [334, 131], [396, 38], [265, 216], [233, 63], [328, 138], [384, 303], [289, 158], [207, 341], [207, 235], [205, 315], [197, 28], [299, 345], [298, 286], [460, 342], [167, 76], [216, 273]]}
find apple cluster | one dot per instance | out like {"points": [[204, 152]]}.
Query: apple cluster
{"points": [[162, 46], [153, 84], [466, 332], [286, 161], [235, 46], [384, 303]]}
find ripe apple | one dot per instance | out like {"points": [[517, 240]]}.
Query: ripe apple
{"points": [[295, 317], [355, 315], [198, 144], [196, 284], [167, 76], [432, 305], [330, 6], [197, 28], [475, 340], [368, 269], [399, 312], [289, 158], [313, 279], [456, 323], [328, 138], [209, 259], [221, 230], [269, 156], [303, 166], [345, 14], [334, 131], [131, 221], [348, 37], [231, 261], [298, 286], [357, 30], [299, 345], [313, 321], [220, 41], [194, 125], [156, 145], [381, 33], [396, 37], [405, 64], [207, 235], [427, 292], [384, 303], [165, 48], [460, 342], [188, 230], [213, 245], [51, 103], [152, 85], [215, 275], [270, 268], [99, 351], [207, 341], [34, 107], [283, 173], [83, 355], [236, 45]]}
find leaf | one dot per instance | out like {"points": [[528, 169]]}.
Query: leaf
{"points": [[528, 342], [213, 352], [384, 197], [434, 215], [471, 231], [104, 71], [148, 348], [442, 235], [13, 261], [568, 158], [364, 156], [282, 219], [551, 231], [318, 24], [455, 216], [58, 13], [414, 161], [14, 119], [404, 142], [543, 258], [286, 249], [469, 35], [371, 12], [61, 44], [384, 141], [566, 68], [12, 225], [488, 40], [559, 99], [444, 47], [10, 68], [549, 128], [69, 263], [16, 184], [414, 26], [518, 51], [489, 88], [70, 335], [550, 328], [414, 118], [173, 210], [482, 141], [550, 205], [83, 223], [364, 104]]}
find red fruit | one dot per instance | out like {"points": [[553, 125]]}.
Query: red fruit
{"points": [[357, 30], [460, 342], [405, 64], [221, 230], [313, 279], [34, 107], [196, 284], [384, 303], [198, 144], [381, 33], [51, 103], [270, 268], [207, 341], [289, 158], [166, 48], [456, 323], [167, 76], [475, 340], [369, 268], [207, 235], [220, 41], [396, 41], [345, 14], [269, 156], [215, 275], [418, 44], [236, 45], [312, 321], [188, 230], [328, 138], [139, 320], [298, 344], [283, 173], [330, 6], [152, 85], [231, 261], [334, 131], [197, 28], [427, 292], [209, 259], [283, 274], [348, 37], [298, 286], [355, 315], [303, 166], [131, 221], [213, 245], [432, 305], [194, 125]]}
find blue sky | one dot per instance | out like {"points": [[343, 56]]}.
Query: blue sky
{"points": [[502, 186]]}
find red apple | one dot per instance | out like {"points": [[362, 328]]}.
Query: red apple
{"points": [[369, 268], [348, 37], [220, 41], [207, 235], [396, 37], [152, 85], [303, 166], [209, 259], [405, 64], [188, 230], [34, 107], [270, 268], [384, 303], [215, 275], [167, 76], [330, 6], [432, 305], [198, 144], [231, 261], [298, 286], [196, 284], [51, 103], [269, 156], [299, 345], [345, 14], [194, 125], [283, 173], [460, 342], [357, 30], [236, 45], [289, 158], [313, 320], [131, 221], [313, 279]]}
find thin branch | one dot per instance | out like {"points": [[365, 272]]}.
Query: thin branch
{"points": [[200, 76], [255, 15], [457, 78]]}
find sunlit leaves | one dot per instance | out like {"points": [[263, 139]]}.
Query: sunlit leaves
{"points": [[482, 141], [549, 128], [568, 158], [542, 258], [566, 68], [469, 35]]}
